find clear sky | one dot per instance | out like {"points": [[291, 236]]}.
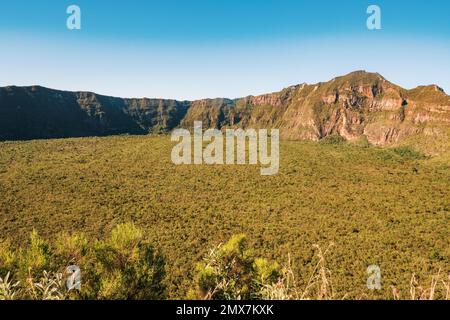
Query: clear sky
{"points": [[189, 49]]}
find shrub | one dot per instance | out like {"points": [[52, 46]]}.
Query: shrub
{"points": [[8, 258], [128, 266], [35, 258], [231, 272], [408, 153], [362, 142], [333, 140], [124, 266]]}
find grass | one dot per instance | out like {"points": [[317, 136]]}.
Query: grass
{"points": [[379, 206]]}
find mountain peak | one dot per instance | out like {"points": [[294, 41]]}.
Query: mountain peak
{"points": [[362, 74]]}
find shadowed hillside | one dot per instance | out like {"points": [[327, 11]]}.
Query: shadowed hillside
{"points": [[37, 112]]}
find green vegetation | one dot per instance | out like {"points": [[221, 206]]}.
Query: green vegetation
{"points": [[124, 266], [409, 153], [379, 206], [231, 272], [333, 140]]}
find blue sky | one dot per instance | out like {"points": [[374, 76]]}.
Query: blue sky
{"points": [[189, 49]]}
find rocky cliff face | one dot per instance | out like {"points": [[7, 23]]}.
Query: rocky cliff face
{"points": [[355, 105]]}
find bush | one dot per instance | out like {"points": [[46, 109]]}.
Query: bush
{"points": [[362, 142], [124, 266], [408, 153], [231, 272], [35, 259], [8, 258], [333, 140], [128, 267]]}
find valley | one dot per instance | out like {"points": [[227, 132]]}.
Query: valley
{"points": [[379, 206]]}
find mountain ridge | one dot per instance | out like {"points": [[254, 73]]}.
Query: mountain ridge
{"points": [[359, 104]]}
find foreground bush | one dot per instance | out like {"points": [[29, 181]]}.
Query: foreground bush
{"points": [[232, 272], [124, 266]]}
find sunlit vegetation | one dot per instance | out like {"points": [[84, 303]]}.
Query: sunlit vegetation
{"points": [[124, 266], [388, 207]]}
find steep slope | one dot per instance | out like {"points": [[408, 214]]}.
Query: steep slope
{"points": [[355, 105], [37, 112]]}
